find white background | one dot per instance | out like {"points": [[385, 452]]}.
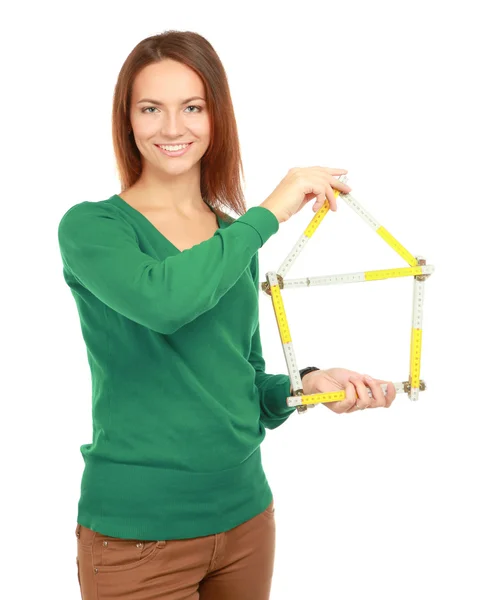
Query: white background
{"points": [[381, 504]]}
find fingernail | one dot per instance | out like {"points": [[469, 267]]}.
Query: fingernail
{"points": [[368, 378]]}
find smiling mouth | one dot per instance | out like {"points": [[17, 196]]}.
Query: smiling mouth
{"points": [[179, 152], [186, 144]]}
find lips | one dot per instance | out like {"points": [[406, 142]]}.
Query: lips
{"points": [[174, 153], [159, 145]]}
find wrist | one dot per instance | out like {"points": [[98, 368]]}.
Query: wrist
{"points": [[266, 204], [303, 374], [304, 380]]}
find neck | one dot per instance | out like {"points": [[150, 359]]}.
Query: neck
{"points": [[179, 194]]}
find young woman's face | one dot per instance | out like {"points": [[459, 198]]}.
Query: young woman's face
{"points": [[162, 112]]}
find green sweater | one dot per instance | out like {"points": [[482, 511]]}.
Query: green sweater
{"points": [[180, 397]]}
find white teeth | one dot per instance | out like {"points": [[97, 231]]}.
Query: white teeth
{"points": [[174, 148]]}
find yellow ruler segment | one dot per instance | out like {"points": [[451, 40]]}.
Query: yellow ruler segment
{"points": [[396, 246], [319, 215], [282, 321], [327, 397], [387, 273], [415, 349]]}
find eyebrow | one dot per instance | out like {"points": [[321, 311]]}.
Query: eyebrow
{"points": [[160, 103]]}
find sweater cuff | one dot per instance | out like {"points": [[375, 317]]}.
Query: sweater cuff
{"points": [[262, 220]]}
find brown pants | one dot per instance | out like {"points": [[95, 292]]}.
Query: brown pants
{"points": [[233, 565]]}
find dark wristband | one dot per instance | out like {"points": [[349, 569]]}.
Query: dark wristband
{"points": [[304, 372]]}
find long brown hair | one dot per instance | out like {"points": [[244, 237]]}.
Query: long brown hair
{"points": [[221, 165]]}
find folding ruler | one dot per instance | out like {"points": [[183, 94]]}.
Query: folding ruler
{"points": [[275, 283]]}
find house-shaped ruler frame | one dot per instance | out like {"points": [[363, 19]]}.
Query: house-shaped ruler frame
{"points": [[275, 282]]}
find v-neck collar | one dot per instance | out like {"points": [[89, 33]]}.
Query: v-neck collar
{"points": [[118, 201]]}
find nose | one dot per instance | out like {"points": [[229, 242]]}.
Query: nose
{"points": [[172, 125]]}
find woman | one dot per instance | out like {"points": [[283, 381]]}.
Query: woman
{"points": [[174, 501]]}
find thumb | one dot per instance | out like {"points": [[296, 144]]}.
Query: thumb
{"points": [[321, 198], [351, 397]]}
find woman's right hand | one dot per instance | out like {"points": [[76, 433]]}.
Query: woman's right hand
{"points": [[301, 185]]}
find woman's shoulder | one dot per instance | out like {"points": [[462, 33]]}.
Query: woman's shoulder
{"points": [[87, 213]]}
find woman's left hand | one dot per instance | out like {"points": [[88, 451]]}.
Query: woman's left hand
{"points": [[354, 384]]}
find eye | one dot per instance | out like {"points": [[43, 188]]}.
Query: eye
{"points": [[147, 108]]}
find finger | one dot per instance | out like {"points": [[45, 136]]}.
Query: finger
{"points": [[351, 397], [331, 189], [391, 394], [331, 196], [340, 185], [378, 398], [363, 398], [328, 194], [334, 171]]}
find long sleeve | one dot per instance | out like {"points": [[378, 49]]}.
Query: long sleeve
{"points": [[100, 250], [273, 389], [176, 418]]}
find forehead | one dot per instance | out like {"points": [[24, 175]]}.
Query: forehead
{"points": [[167, 80]]}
